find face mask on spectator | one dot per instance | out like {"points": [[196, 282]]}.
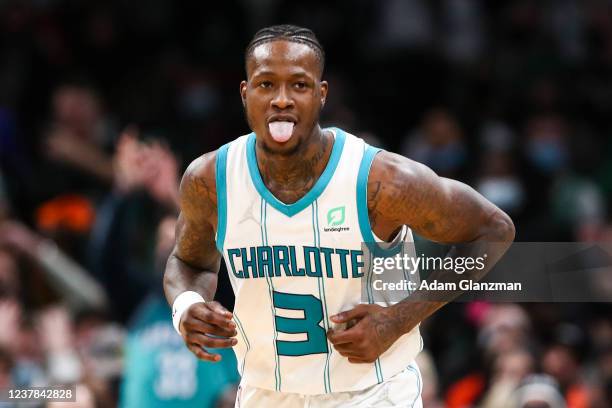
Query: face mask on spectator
{"points": [[504, 191], [446, 158], [547, 154]]}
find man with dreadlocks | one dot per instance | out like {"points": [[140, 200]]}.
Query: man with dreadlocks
{"points": [[288, 207]]}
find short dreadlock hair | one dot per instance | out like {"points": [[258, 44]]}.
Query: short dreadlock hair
{"points": [[290, 33]]}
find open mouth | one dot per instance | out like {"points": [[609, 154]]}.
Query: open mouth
{"points": [[281, 129]]}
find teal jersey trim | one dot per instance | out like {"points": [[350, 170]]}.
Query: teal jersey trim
{"points": [[362, 193], [362, 205], [221, 185], [291, 209]]}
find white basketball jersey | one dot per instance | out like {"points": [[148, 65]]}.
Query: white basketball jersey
{"points": [[292, 266]]}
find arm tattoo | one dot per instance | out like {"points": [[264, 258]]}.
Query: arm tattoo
{"points": [[385, 328], [197, 222], [194, 262], [400, 192], [374, 195]]}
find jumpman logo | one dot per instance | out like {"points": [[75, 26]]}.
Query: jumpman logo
{"points": [[249, 214]]}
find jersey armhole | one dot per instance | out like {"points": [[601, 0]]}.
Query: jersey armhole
{"points": [[221, 186], [365, 227], [362, 193]]}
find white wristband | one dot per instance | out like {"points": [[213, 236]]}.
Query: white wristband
{"points": [[182, 303]]}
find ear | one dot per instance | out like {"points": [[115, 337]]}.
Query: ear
{"points": [[243, 87], [324, 89]]}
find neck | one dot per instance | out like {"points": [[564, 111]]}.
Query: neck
{"points": [[290, 176]]}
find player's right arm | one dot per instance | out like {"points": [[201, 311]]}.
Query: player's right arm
{"points": [[194, 262]]}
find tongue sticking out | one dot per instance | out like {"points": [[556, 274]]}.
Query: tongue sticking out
{"points": [[281, 131]]}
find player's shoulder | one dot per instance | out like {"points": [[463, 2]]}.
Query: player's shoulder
{"points": [[204, 167], [201, 168], [389, 167], [198, 186]]}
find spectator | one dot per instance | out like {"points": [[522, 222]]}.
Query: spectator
{"points": [[160, 371], [539, 391], [438, 143]]}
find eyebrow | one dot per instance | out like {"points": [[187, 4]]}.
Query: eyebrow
{"points": [[271, 73]]}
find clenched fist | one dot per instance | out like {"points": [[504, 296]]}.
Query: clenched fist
{"points": [[207, 325]]}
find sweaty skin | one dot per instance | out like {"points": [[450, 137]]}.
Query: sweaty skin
{"points": [[284, 83]]}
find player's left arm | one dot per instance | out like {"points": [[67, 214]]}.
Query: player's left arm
{"points": [[402, 191]]}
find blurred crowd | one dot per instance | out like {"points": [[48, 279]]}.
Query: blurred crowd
{"points": [[103, 105]]}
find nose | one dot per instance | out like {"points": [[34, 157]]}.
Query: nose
{"points": [[282, 99]]}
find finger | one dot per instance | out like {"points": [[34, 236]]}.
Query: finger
{"points": [[198, 326], [203, 354], [205, 313], [347, 351], [348, 348], [220, 316], [337, 337], [209, 341], [357, 311], [218, 307]]}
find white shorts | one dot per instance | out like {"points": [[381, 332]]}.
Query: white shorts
{"points": [[401, 390]]}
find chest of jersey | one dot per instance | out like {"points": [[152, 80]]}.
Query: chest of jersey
{"points": [[292, 266]]}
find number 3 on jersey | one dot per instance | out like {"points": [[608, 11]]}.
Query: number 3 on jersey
{"points": [[316, 341]]}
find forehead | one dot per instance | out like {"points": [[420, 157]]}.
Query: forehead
{"points": [[281, 55]]}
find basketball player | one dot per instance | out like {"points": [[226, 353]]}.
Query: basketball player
{"points": [[288, 207]]}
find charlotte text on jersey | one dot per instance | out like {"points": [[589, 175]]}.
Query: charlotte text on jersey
{"points": [[262, 261]]}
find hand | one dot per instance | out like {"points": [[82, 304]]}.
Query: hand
{"points": [[129, 173], [161, 170], [151, 166], [55, 329], [10, 323], [372, 332], [200, 321]]}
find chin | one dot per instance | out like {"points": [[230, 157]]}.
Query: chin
{"points": [[285, 148]]}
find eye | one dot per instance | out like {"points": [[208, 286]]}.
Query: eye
{"points": [[300, 85], [266, 84]]}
